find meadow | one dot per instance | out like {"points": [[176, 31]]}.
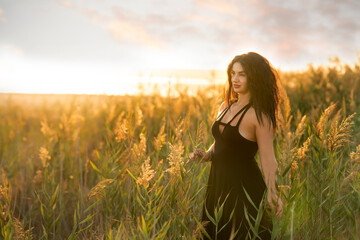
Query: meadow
{"points": [[115, 167]]}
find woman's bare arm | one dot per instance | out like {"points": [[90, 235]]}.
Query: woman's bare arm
{"points": [[264, 137], [208, 154]]}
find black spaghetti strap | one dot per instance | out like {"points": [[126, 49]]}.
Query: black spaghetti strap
{"points": [[242, 109], [242, 115], [222, 114]]}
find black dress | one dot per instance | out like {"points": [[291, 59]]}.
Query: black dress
{"points": [[233, 168]]}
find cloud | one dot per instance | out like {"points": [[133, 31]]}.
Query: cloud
{"points": [[123, 25], [162, 19], [188, 32], [218, 6], [200, 18], [2, 19], [125, 32], [126, 15], [9, 48], [290, 30], [67, 4], [340, 18], [94, 15], [297, 31], [152, 29]]}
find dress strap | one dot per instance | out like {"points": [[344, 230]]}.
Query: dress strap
{"points": [[242, 115], [235, 115], [222, 114], [242, 109]]}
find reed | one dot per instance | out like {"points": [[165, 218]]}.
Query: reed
{"points": [[113, 167]]}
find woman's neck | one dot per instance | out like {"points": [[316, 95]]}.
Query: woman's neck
{"points": [[243, 99]]}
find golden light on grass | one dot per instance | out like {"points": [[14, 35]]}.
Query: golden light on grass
{"points": [[121, 129], [300, 127], [138, 116], [160, 138], [139, 149], [175, 159], [323, 119], [301, 153], [340, 134], [98, 190], [293, 169], [355, 156], [38, 178], [146, 174], [44, 157], [80, 165]]}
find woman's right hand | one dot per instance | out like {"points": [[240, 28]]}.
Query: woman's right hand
{"points": [[197, 155]]}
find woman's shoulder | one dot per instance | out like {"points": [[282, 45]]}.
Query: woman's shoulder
{"points": [[255, 119], [251, 114], [222, 106], [225, 105]]}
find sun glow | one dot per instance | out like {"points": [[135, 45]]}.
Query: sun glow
{"points": [[20, 75]]}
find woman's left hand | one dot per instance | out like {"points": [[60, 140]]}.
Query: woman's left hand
{"points": [[276, 204]]}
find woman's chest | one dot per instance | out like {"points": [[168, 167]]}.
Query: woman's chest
{"points": [[245, 128]]}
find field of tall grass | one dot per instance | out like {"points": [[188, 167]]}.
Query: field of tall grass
{"points": [[115, 167]]}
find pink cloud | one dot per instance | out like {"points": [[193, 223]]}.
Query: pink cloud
{"points": [[2, 19], [12, 49], [94, 15], [218, 6], [67, 4], [123, 31], [200, 18], [290, 30]]}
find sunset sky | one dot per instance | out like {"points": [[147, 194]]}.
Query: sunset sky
{"points": [[104, 46]]}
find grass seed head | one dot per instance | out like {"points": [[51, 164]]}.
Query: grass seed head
{"points": [[201, 135], [355, 156], [300, 127], [139, 149], [301, 152], [293, 168], [98, 190], [146, 174], [44, 157], [324, 120], [38, 178], [160, 138], [121, 130], [350, 179], [19, 230], [175, 158], [138, 116], [339, 135], [47, 131]]}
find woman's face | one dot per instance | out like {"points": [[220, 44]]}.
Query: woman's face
{"points": [[238, 79]]}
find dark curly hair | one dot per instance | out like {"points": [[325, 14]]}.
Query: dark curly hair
{"points": [[261, 82]]}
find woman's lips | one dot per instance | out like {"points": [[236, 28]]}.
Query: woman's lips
{"points": [[236, 86]]}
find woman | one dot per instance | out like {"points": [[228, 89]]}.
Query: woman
{"points": [[246, 123]]}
